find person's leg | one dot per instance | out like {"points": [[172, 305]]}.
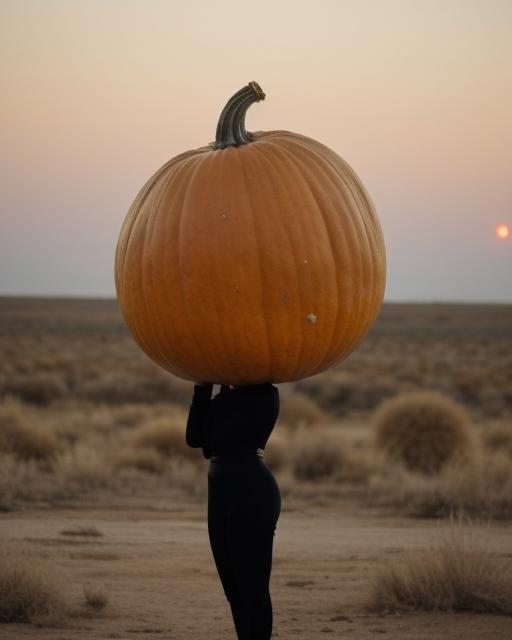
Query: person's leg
{"points": [[251, 527], [218, 535]]}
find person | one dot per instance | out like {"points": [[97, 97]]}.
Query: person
{"points": [[244, 500]]}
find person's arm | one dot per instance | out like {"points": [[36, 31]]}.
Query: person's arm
{"points": [[198, 415]]}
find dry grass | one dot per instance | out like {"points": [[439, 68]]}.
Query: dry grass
{"points": [[424, 430], [120, 387], [95, 598], [481, 487], [20, 482], [116, 421], [298, 410], [27, 592], [318, 454], [114, 460], [145, 460], [498, 437], [82, 468], [340, 392], [21, 437], [40, 388], [166, 435], [84, 347], [88, 531], [458, 574]]}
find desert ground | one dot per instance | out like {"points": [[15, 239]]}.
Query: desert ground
{"points": [[103, 507]]}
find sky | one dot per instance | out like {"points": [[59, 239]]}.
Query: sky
{"points": [[415, 95]]}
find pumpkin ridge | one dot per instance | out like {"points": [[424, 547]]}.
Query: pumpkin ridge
{"points": [[304, 170], [155, 291], [160, 187], [138, 213], [299, 355], [365, 204], [372, 252], [269, 172], [220, 165], [349, 334], [349, 178], [376, 228], [147, 231], [289, 161], [158, 191], [262, 286], [357, 233], [368, 259], [130, 220], [189, 186], [137, 204]]}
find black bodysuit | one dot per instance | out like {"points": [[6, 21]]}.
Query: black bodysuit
{"points": [[244, 500], [234, 420]]}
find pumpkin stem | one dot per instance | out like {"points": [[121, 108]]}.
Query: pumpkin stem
{"points": [[231, 130]]}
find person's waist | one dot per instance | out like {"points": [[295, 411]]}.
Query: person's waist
{"points": [[236, 454]]}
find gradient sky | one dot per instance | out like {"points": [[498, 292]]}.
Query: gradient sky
{"points": [[415, 95]]}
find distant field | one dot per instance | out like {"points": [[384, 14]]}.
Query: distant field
{"points": [[98, 486], [84, 350], [83, 409], [20, 313]]}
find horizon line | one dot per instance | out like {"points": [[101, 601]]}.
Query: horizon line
{"points": [[64, 296]]}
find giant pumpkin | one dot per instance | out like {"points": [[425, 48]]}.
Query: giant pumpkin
{"points": [[256, 258]]}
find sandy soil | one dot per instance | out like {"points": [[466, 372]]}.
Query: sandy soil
{"points": [[155, 563]]}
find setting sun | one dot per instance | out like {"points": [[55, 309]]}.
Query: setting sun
{"points": [[502, 231]]}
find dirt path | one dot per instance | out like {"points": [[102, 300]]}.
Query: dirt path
{"points": [[156, 566]]}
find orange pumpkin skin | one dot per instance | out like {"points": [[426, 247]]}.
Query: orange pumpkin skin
{"points": [[253, 263]]}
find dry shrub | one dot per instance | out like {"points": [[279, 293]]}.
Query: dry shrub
{"points": [[27, 593], [19, 436], [494, 400], [146, 460], [129, 416], [95, 598], [317, 454], [166, 435], [19, 481], [120, 387], [72, 474], [331, 389], [423, 430], [298, 410], [468, 385], [458, 574], [38, 388], [81, 468], [498, 437], [480, 487], [82, 420], [358, 465], [339, 392]]}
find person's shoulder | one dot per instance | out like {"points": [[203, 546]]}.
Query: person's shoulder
{"points": [[268, 389], [263, 387]]}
